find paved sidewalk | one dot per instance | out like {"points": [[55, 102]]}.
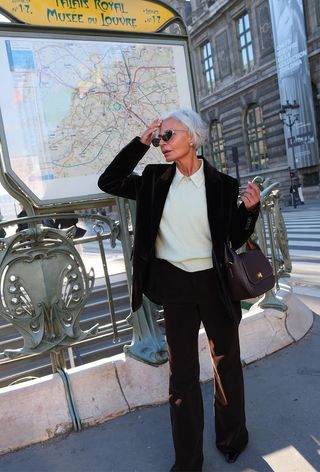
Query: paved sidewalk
{"points": [[283, 415]]}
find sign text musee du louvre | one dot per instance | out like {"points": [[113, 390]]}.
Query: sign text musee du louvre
{"points": [[131, 15]]}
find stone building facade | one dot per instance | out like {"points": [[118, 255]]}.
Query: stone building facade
{"points": [[237, 87]]}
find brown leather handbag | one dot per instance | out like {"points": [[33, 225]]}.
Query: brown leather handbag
{"points": [[249, 273]]}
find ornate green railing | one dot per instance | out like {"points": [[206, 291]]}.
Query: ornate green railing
{"points": [[44, 284]]}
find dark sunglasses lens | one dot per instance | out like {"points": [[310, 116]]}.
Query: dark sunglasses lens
{"points": [[167, 135], [156, 142]]}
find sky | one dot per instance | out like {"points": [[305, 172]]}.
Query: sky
{"points": [[3, 18], [2, 190]]}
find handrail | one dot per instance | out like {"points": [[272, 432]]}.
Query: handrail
{"points": [[271, 233], [148, 342]]}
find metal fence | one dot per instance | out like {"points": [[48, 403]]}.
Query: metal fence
{"points": [[93, 322]]}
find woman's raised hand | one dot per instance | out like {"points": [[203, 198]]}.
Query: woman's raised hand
{"points": [[250, 196], [147, 135]]}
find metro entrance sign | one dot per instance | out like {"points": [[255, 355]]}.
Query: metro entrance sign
{"points": [[71, 98], [140, 16]]}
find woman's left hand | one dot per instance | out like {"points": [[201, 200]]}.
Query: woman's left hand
{"points": [[250, 196]]}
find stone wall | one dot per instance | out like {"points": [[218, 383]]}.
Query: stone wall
{"points": [[214, 21]]}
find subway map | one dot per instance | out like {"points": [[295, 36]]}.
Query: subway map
{"points": [[68, 106]]}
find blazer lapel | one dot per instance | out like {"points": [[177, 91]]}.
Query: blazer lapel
{"points": [[214, 203], [159, 195]]}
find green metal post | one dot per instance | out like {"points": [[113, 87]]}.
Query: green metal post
{"points": [[148, 343]]}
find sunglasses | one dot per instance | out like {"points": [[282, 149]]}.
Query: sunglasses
{"points": [[165, 137]]}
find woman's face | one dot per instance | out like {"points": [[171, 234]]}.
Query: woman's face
{"points": [[179, 145]]}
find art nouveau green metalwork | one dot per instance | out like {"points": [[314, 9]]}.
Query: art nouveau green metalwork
{"points": [[148, 342], [281, 237], [45, 306], [44, 287], [270, 216]]}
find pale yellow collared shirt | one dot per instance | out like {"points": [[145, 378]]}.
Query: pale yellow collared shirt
{"points": [[184, 237]]}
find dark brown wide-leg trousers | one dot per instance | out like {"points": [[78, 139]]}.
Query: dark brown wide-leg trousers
{"points": [[190, 298]]}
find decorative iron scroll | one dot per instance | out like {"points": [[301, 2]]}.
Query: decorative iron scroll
{"points": [[43, 287]]}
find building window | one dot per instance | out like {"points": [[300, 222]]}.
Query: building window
{"points": [[217, 146], [208, 67], [245, 42], [188, 12], [318, 11], [256, 138], [309, 180]]}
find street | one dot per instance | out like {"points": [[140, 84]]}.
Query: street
{"points": [[303, 228]]}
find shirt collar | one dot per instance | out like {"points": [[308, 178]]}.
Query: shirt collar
{"points": [[197, 178]]}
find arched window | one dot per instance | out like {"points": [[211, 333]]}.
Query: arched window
{"points": [[256, 138], [217, 146]]}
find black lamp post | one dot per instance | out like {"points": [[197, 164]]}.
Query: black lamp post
{"points": [[289, 116]]}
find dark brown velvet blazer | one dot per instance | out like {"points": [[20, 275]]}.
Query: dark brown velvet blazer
{"points": [[150, 191]]}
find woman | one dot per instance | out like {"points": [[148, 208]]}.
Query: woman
{"points": [[186, 210]]}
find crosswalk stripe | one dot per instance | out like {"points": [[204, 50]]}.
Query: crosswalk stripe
{"points": [[303, 253], [308, 236], [303, 230]]}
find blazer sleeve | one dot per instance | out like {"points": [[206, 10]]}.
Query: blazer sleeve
{"points": [[242, 223], [118, 178]]}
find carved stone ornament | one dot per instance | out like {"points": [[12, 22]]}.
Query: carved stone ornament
{"points": [[44, 287]]}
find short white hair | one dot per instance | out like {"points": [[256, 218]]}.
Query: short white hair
{"points": [[193, 121]]}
